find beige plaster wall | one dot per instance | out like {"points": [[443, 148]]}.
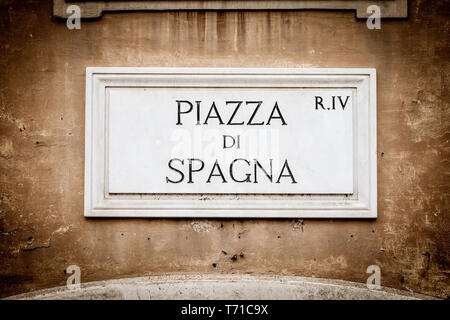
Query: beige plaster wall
{"points": [[42, 87]]}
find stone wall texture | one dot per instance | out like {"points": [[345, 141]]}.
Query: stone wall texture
{"points": [[42, 90]]}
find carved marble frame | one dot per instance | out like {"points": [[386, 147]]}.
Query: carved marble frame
{"points": [[361, 204]]}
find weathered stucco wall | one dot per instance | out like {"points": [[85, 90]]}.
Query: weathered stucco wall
{"points": [[42, 87]]}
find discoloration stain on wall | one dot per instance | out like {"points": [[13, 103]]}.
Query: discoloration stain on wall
{"points": [[6, 148], [201, 226], [298, 224]]}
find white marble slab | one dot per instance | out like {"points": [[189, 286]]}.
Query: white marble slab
{"points": [[316, 145]]}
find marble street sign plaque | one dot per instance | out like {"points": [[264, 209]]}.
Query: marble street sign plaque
{"points": [[230, 142]]}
